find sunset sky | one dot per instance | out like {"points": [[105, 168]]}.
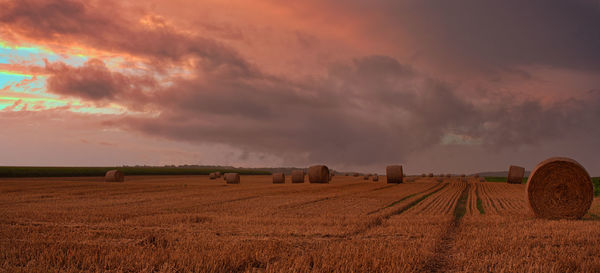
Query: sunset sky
{"points": [[441, 86]]}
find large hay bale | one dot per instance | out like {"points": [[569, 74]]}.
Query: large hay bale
{"points": [[114, 176], [375, 178], [212, 176], [318, 174], [515, 175], [394, 174], [278, 178], [560, 188], [298, 176], [232, 178]]}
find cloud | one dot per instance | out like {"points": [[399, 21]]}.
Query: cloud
{"points": [[95, 82]]}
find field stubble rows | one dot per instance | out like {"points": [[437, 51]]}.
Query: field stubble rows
{"points": [[191, 223]]}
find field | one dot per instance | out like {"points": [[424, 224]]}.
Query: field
{"points": [[193, 224]]}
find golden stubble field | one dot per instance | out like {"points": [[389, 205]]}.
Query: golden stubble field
{"points": [[193, 224]]}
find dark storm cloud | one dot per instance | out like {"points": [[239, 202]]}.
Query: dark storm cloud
{"points": [[370, 110], [483, 34], [95, 82]]}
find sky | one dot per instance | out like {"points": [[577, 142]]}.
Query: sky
{"points": [[437, 86]]}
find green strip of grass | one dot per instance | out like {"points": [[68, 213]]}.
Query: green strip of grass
{"points": [[101, 171], [501, 179], [596, 181]]}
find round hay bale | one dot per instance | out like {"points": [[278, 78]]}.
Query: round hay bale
{"points": [[367, 176], [278, 178], [559, 188], [114, 176], [318, 174], [218, 174], [212, 176], [298, 176], [430, 175], [394, 174], [375, 178], [515, 175], [232, 178]]}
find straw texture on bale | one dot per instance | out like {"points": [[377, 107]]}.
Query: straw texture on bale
{"points": [[318, 174], [278, 178], [559, 188], [212, 176], [232, 178], [297, 176], [394, 174], [114, 176], [375, 178], [515, 175]]}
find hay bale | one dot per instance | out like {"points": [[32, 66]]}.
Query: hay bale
{"points": [[367, 176], [212, 176], [394, 174], [515, 175], [218, 174], [278, 178], [298, 176], [375, 178], [423, 175], [430, 175], [559, 188], [232, 178], [318, 174], [114, 176], [355, 175]]}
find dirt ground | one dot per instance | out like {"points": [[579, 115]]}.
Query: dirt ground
{"points": [[193, 224]]}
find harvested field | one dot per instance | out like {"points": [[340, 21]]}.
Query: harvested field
{"points": [[194, 224]]}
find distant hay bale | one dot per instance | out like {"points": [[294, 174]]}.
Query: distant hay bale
{"points": [[318, 174], [430, 175], [298, 176], [232, 178], [367, 176], [218, 174], [278, 178], [375, 178], [355, 175], [423, 175], [560, 188], [212, 176], [394, 174], [515, 175], [114, 176]]}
